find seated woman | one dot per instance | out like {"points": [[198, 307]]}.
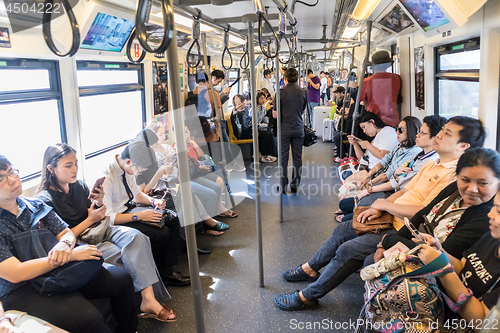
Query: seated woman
{"points": [[457, 217], [266, 139], [384, 140], [120, 246], [72, 312], [473, 286], [240, 119], [162, 169], [406, 135]]}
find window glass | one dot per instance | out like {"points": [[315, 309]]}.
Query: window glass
{"points": [[110, 119], [88, 78], [458, 98], [462, 60], [29, 128], [24, 79]]}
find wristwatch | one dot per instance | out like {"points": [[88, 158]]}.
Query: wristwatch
{"points": [[66, 241], [134, 217]]}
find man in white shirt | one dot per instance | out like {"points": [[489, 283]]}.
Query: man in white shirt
{"points": [[121, 195], [323, 87], [267, 82]]}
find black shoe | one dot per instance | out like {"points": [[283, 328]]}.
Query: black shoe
{"points": [[203, 250], [293, 188], [175, 280]]}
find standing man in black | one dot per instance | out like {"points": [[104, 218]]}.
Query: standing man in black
{"points": [[293, 101]]}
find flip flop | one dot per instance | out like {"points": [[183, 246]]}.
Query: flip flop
{"points": [[162, 316], [212, 232], [228, 213]]}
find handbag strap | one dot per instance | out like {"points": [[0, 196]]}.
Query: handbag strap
{"points": [[432, 224]]}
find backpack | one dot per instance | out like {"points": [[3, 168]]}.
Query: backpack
{"points": [[401, 294]]}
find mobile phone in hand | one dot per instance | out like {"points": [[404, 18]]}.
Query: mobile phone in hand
{"points": [[98, 184], [412, 229]]}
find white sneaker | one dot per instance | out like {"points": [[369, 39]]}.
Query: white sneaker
{"points": [[238, 168]]}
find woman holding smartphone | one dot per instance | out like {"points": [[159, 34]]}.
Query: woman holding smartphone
{"points": [[474, 286], [457, 217], [122, 246], [384, 140]]}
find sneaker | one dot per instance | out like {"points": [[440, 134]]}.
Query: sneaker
{"points": [[238, 168]]}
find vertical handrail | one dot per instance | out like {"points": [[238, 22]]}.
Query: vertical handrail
{"points": [[277, 102], [342, 113], [185, 185], [250, 19], [214, 95], [351, 67], [363, 71]]}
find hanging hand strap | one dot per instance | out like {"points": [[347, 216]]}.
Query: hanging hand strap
{"points": [[47, 35], [196, 36], [226, 49], [142, 17]]}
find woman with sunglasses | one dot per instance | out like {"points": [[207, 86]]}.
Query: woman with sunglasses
{"points": [[403, 174]]}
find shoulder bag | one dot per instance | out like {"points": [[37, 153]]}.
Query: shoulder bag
{"points": [[374, 226], [401, 294], [429, 226], [37, 243]]}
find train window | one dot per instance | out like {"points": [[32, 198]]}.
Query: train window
{"points": [[457, 79], [30, 95], [111, 104]]}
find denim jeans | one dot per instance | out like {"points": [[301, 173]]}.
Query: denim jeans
{"points": [[342, 254], [347, 205]]}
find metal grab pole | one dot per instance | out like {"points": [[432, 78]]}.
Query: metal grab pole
{"points": [[363, 71], [214, 95], [250, 19], [353, 123], [344, 102], [277, 102], [341, 155], [185, 186]]}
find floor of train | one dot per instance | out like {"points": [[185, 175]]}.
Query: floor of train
{"points": [[232, 298]]}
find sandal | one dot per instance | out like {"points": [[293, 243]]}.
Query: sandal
{"points": [[298, 274], [228, 213], [219, 226], [210, 232], [292, 302], [163, 316], [339, 218], [338, 211]]}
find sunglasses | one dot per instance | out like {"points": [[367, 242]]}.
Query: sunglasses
{"points": [[400, 130]]}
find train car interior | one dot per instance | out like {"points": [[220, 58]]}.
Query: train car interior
{"points": [[210, 89]]}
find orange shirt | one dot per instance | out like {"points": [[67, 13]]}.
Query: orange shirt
{"points": [[432, 178]]}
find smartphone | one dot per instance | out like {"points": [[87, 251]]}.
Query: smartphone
{"points": [[412, 229], [409, 166], [98, 184]]}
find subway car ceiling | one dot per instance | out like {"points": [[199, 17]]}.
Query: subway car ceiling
{"points": [[398, 26]]}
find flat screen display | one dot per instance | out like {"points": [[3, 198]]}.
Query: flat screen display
{"points": [[396, 20], [107, 33], [426, 13]]}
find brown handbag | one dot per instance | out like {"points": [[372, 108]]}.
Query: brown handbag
{"points": [[375, 226]]}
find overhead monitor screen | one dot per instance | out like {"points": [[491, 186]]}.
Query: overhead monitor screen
{"points": [[426, 13], [108, 33], [396, 20]]}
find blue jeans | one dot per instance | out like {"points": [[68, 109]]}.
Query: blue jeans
{"points": [[342, 254], [209, 193], [312, 105]]}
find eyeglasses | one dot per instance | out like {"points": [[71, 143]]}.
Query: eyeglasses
{"points": [[12, 174], [400, 130]]}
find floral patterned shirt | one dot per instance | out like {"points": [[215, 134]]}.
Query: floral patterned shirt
{"points": [[448, 220]]}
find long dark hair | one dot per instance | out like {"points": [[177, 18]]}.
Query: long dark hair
{"points": [[480, 156], [413, 125], [51, 157], [367, 116]]}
